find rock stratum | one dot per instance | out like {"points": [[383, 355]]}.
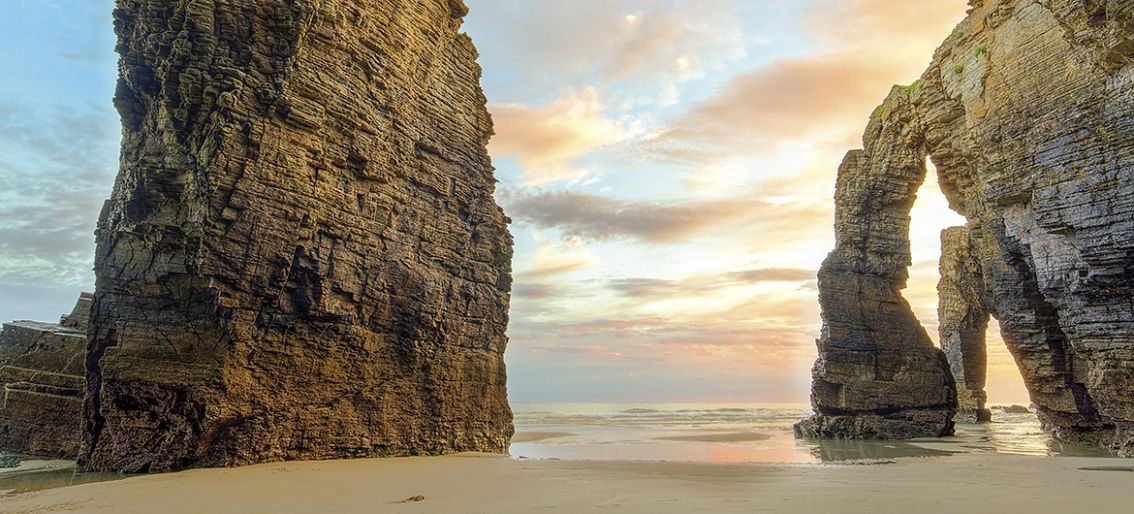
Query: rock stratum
{"points": [[41, 372], [963, 323], [302, 257], [1027, 111]]}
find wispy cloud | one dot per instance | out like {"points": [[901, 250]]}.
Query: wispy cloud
{"points": [[598, 218], [906, 29], [546, 139], [532, 291], [554, 258], [651, 46], [810, 99], [824, 97], [56, 167], [653, 287]]}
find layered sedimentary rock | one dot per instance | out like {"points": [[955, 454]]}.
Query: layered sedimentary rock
{"points": [[963, 322], [1027, 111], [878, 374], [41, 373], [302, 257]]}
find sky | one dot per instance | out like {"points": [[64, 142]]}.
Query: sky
{"points": [[669, 167]]}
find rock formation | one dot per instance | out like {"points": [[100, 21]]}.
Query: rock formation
{"points": [[1027, 111], [302, 257], [878, 374], [41, 372], [963, 322]]}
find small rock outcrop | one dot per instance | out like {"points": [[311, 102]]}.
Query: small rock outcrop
{"points": [[1026, 110], [1015, 409], [41, 373], [963, 323], [302, 257]]}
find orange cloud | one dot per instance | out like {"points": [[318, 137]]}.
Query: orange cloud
{"points": [[784, 102], [557, 258], [546, 139], [909, 27], [821, 98], [642, 288]]}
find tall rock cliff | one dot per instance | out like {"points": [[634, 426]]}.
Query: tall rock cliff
{"points": [[1027, 111], [302, 257]]}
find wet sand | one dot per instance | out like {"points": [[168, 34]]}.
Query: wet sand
{"points": [[532, 437], [471, 483], [731, 437]]}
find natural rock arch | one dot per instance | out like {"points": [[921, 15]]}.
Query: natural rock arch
{"points": [[878, 373], [1026, 112]]}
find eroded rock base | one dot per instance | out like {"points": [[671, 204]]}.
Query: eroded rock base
{"points": [[907, 424]]}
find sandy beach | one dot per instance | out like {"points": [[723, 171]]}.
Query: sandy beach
{"points": [[471, 483]]}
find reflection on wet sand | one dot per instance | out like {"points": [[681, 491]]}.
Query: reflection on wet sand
{"points": [[26, 475], [730, 437], [849, 451], [713, 433], [739, 433], [534, 436]]}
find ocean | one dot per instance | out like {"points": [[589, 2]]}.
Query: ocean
{"points": [[677, 432], [744, 433]]}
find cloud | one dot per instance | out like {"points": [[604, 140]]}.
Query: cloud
{"points": [[920, 25], [643, 287], [647, 47], [773, 275], [821, 98], [703, 284], [583, 350], [600, 218], [810, 99], [717, 360], [531, 291], [555, 258], [546, 139], [675, 44], [56, 169], [665, 338]]}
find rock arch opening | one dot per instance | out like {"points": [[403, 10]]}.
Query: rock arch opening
{"points": [[1005, 384], [1038, 160]]}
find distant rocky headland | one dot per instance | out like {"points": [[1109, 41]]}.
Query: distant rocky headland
{"points": [[1027, 111]]}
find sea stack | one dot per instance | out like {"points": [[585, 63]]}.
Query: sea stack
{"points": [[1027, 112], [962, 323], [302, 257]]}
